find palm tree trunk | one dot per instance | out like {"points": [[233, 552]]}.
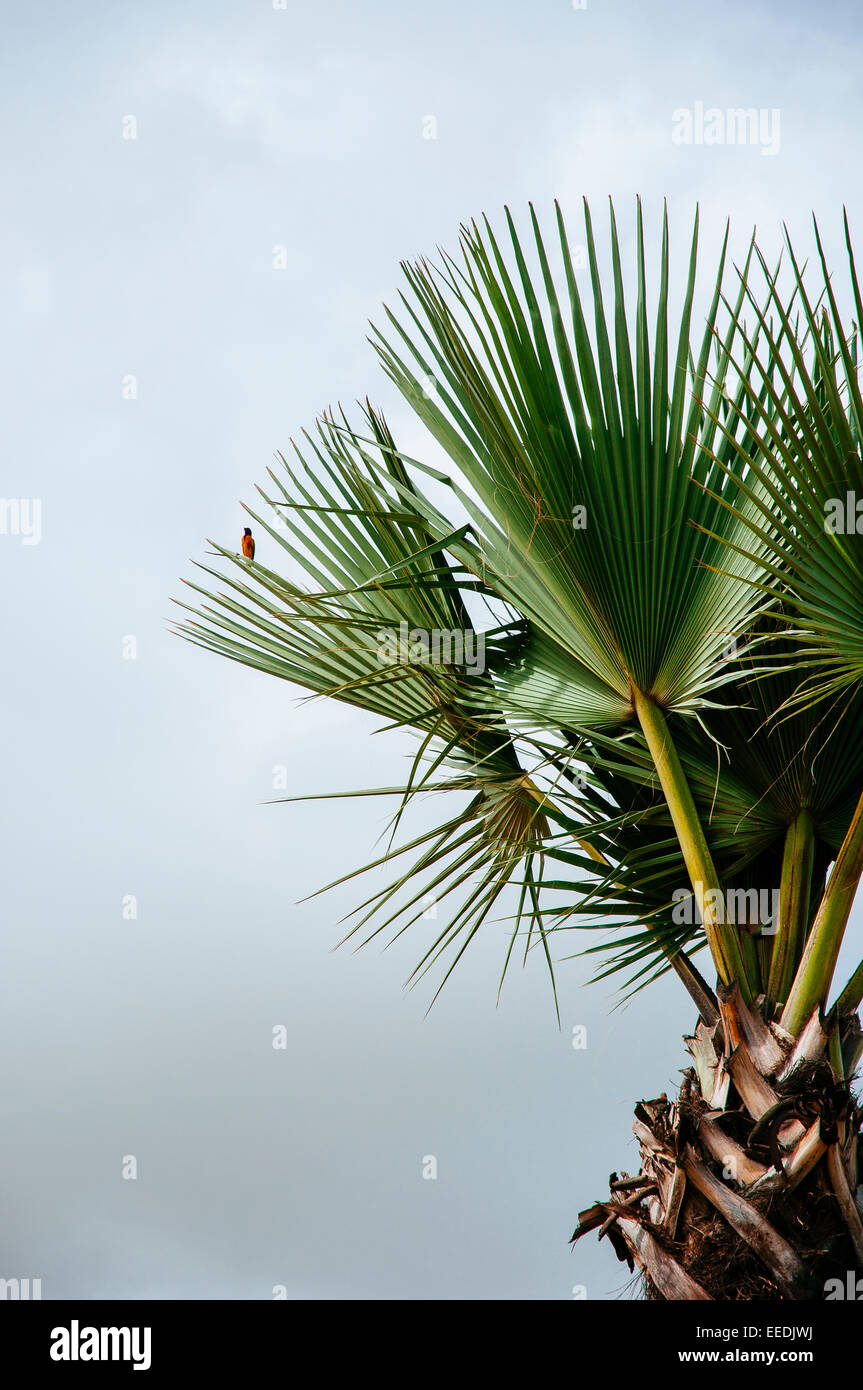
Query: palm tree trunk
{"points": [[747, 1188]]}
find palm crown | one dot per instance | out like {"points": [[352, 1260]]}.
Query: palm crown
{"points": [[667, 715]]}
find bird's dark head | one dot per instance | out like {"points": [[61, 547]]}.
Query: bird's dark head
{"points": [[247, 531]]}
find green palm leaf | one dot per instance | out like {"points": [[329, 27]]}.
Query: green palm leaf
{"points": [[637, 514]]}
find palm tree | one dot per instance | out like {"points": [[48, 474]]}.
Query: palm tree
{"points": [[622, 630]]}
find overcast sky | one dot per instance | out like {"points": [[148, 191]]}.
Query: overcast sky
{"points": [[153, 360]]}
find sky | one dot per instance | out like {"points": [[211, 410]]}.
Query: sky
{"points": [[203, 206]]}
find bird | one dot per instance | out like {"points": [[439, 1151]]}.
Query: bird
{"points": [[248, 544]]}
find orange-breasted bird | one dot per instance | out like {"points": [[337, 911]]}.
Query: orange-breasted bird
{"points": [[248, 544]]}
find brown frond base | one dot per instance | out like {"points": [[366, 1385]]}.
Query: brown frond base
{"points": [[728, 1269], [748, 1183]]}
